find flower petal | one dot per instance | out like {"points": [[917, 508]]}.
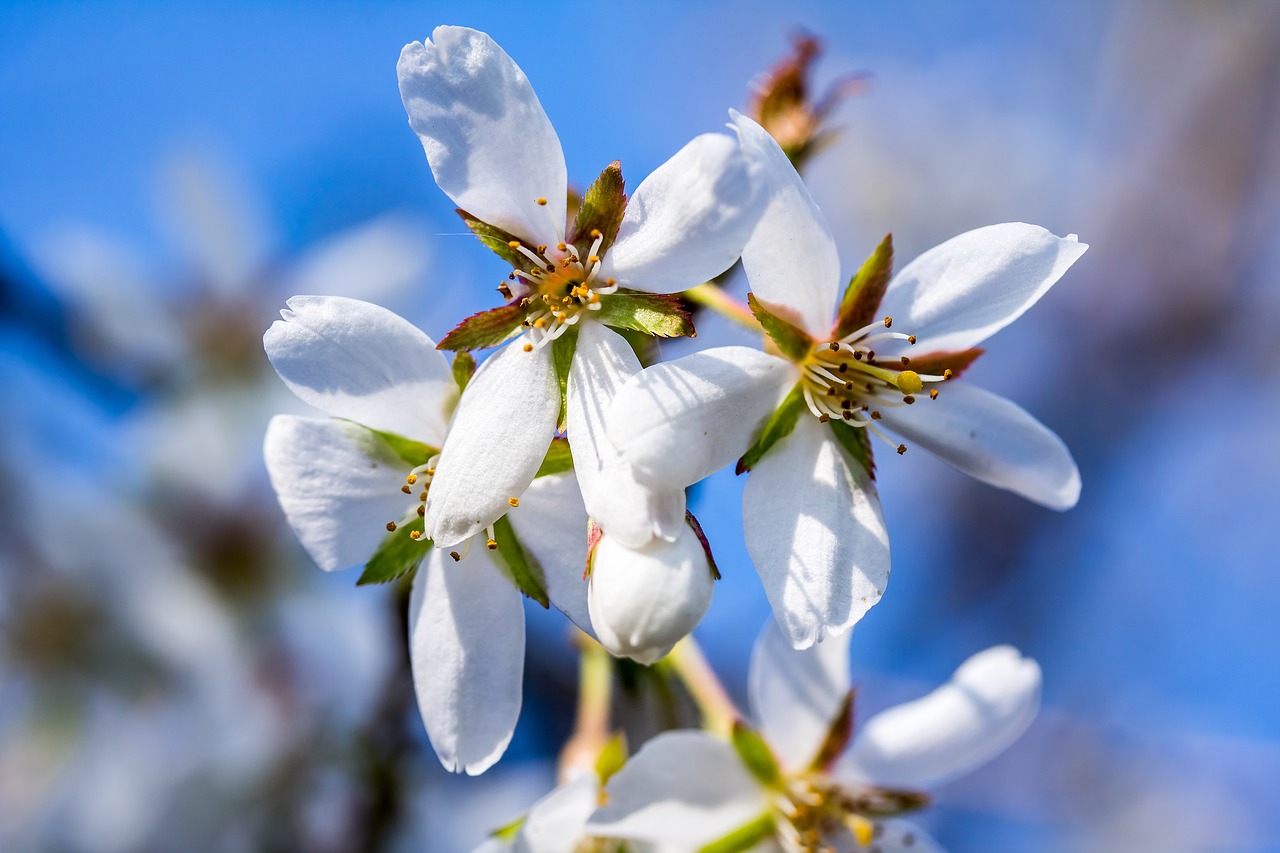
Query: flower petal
{"points": [[490, 144], [556, 822], [359, 361], [992, 439], [466, 642], [679, 421], [688, 221], [900, 836], [497, 440], [551, 523], [987, 705], [791, 259], [337, 490], [956, 295], [684, 788], [629, 511], [797, 694], [386, 256], [813, 528]]}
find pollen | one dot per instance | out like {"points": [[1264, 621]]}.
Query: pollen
{"points": [[948, 374], [415, 534], [542, 202], [411, 479], [491, 544], [513, 501], [515, 244]]}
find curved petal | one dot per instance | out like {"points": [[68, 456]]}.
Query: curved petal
{"points": [[556, 822], [466, 643], [684, 788], [688, 221], [491, 147], [899, 836], [359, 361], [679, 421], [552, 525], [986, 706], [338, 488], [791, 259], [497, 440], [956, 295], [625, 508], [992, 439], [797, 694], [813, 528], [386, 256]]}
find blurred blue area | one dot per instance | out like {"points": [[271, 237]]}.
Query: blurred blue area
{"points": [[1148, 128]]}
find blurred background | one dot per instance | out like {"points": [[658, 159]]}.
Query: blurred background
{"points": [[174, 674]]}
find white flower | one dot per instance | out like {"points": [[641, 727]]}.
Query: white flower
{"points": [[812, 518], [345, 481], [803, 790], [493, 151]]}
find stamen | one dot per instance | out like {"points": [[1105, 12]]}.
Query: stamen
{"points": [[513, 501], [391, 527], [542, 201], [411, 479], [457, 558], [422, 510], [933, 393], [415, 535], [406, 490]]}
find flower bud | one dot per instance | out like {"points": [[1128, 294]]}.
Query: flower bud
{"points": [[643, 601]]}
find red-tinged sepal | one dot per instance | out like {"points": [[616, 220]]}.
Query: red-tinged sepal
{"points": [[792, 341], [702, 540], [600, 213], [486, 329], [866, 289]]}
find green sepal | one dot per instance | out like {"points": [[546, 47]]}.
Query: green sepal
{"points": [[756, 755], [856, 444], [745, 837], [661, 315], [601, 209], [398, 555], [520, 564], [559, 458], [792, 341], [779, 426], [388, 447], [464, 367], [612, 757], [562, 350], [838, 736], [509, 831], [487, 328], [866, 289], [496, 239]]}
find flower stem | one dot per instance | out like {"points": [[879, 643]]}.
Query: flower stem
{"points": [[595, 697], [718, 711], [709, 296]]}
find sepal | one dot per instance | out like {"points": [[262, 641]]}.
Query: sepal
{"points": [[486, 328], [756, 755], [519, 563], [839, 735], [866, 290], [601, 210], [777, 427], [562, 350], [938, 363], [856, 444], [661, 315], [559, 458], [793, 342], [690, 520], [496, 239], [398, 555]]}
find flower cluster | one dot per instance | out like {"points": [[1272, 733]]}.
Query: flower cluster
{"points": [[556, 469]]}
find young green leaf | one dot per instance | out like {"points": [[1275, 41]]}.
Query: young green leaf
{"points": [[521, 565], [398, 555], [866, 289], [562, 350], [779, 426], [601, 210], [856, 444], [659, 314], [792, 341], [496, 239], [558, 459], [487, 328]]}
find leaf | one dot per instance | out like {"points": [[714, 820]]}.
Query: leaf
{"points": [[464, 367], [562, 350], [559, 458], [487, 328], [496, 239], [937, 363], [779, 426], [745, 837], [659, 314], [839, 734], [398, 555], [612, 757], [702, 539], [866, 289], [856, 444], [793, 341], [602, 209], [756, 755], [521, 565]]}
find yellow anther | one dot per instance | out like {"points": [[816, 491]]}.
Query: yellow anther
{"points": [[528, 347], [593, 259], [595, 232], [542, 248], [513, 501], [561, 247], [909, 382], [911, 339], [863, 830], [391, 527], [888, 322], [515, 244], [415, 534], [542, 201], [610, 282], [948, 374], [411, 479], [933, 393], [491, 545]]}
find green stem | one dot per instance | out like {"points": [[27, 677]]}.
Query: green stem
{"points": [[718, 711], [709, 296], [595, 699]]}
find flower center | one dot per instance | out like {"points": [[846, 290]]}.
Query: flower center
{"points": [[817, 814], [559, 285]]}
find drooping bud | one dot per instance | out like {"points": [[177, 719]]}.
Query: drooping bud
{"points": [[643, 601]]}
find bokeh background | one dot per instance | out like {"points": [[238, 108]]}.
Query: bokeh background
{"points": [[175, 675]]}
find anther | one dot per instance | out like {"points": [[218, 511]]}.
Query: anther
{"points": [[823, 418], [406, 490], [515, 244], [457, 558], [513, 501], [857, 354], [422, 496], [505, 291], [871, 356], [911, 339], [422, 510], [561, 247], [528, 347], [888, 321], [595, 233], [933, 393], [875, 415], [542, 248], [415, 534], [902, 448], [948, 374], [391, 527], [905, 361], [610, 282], [844, 367], [491, 545], [908, 399], [848, 416], [542, 202], [411, 479], [593, 259], [835, 346]]}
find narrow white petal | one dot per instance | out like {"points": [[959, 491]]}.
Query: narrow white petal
{"points": [[900, 836], [956, 295], [557, 821], [466, 642], [551, 523], [497, 440], [813, 528], [489, 142], [992, 439], [688, 221], [337, 486], [679, 421], [987, 705], [791, 259], [797, 694], [684, 788], [359, 361], [628, 510]]}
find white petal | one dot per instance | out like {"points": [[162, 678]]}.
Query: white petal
{"points": [[991, 438], [688, 221], [645, 600], [797, 694], [679, 421], [466, 642], [497, 440], [900, 836], [383, 257], [337, 486], [813, 528], [489, 142], [556, 822], [551, 523], [359, 361], [956, 295], [626, 509], [791, 259], [986, 706], [681, 787]]}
